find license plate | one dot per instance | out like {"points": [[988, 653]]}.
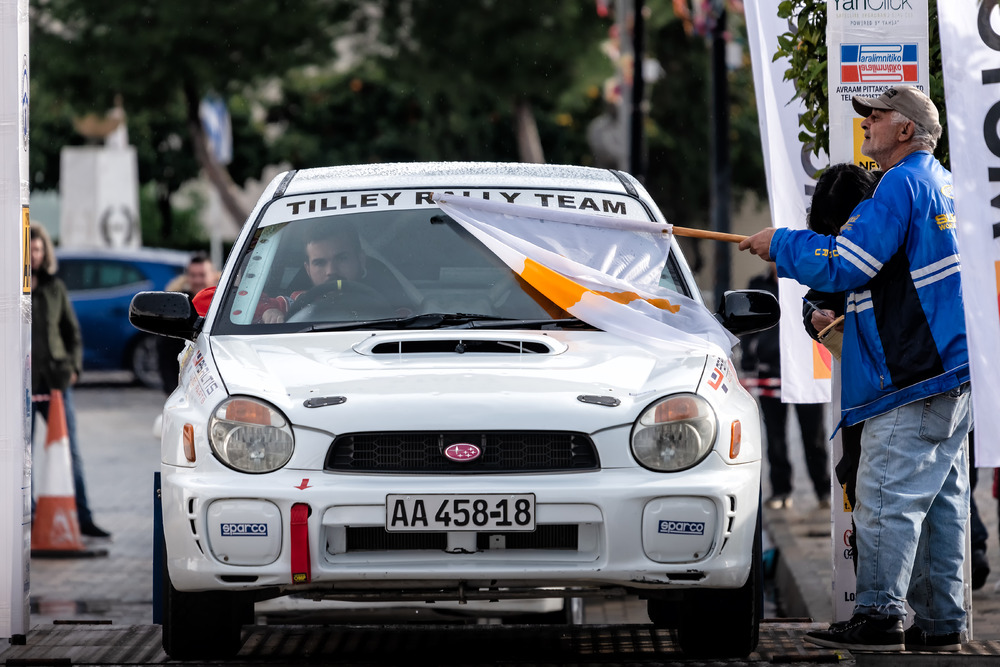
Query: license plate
{"points": [[505, 512]]}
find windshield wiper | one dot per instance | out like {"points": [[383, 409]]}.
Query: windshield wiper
{"points": [[446, 321], [507, 323], [423, 321]]}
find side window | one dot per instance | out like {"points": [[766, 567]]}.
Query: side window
{"points": [[81, 274], [117, 274], [71, 272]]}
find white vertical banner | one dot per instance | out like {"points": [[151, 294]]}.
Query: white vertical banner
{"points": [[970, 54], [99, 189], [15, 322], [805, 364], [871, 47]]}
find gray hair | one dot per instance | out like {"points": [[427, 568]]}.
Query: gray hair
{"points": [[921, 135]]}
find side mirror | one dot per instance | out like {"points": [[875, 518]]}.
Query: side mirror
{"points": [[165, 313], [747, 311]]}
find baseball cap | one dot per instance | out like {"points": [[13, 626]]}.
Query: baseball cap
{"points": [[908, 101]]}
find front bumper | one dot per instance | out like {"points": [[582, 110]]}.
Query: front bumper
{"points": [[631, 528]]}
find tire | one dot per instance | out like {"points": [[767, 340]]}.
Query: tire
{"points": [[724, 623], [570, 614], [144, 362], [203, 626]]}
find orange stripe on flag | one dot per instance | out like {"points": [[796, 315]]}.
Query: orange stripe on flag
{"points": [[566, 293], [558, 288], [822, 362]]}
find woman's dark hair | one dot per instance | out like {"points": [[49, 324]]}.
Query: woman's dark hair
{"points": [[839, 189]]}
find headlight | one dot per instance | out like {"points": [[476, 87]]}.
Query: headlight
{"points": [[675, 433], [250, 435]]}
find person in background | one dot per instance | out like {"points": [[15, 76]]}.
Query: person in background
{"points": [[839, 190], [762, 356], [199, 274], [56, 358], [905, 375]]}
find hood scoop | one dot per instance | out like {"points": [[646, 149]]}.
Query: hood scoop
{"points": [[446, 342]]}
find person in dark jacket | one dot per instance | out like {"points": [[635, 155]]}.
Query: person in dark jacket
{"points": [[762, 356], [56, 357], [838, 191], [199, 274]]}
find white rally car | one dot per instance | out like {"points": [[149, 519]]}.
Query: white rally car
{"points": [[375, 407]]}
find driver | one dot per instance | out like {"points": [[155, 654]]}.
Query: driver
{"points": [[333, 252]]}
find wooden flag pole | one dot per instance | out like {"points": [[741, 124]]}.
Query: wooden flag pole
{"points": [[707, 234]]}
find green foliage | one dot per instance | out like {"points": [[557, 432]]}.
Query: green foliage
{"points": [[680, 125], [422, 81], [185, 233], [804, 45], [162, 58]]}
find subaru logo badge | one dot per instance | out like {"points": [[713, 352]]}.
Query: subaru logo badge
{"points": [[462, 452]]}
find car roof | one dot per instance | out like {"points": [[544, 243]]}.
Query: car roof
{"points": [[455, 174], [157, 255]]}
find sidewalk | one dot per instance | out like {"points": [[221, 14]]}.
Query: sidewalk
{"points": [[802, 537]]}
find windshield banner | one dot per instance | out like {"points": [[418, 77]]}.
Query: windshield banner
{"points": [[603, 270]]}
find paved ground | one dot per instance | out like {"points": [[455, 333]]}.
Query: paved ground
{"points": [[117, 588], [802, 536]]}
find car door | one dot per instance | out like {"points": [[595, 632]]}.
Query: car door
{"points": [[101, 289]]}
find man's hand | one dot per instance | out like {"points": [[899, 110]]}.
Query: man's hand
{"points": [[272, 316], [821, 319], [759, 244]]}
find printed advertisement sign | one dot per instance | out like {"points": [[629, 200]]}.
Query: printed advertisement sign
{"points": [[871, 45]]}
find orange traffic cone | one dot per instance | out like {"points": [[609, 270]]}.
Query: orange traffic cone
{"points": [[55, 531]]}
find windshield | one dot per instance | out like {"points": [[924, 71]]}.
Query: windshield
{"points": [[386, 267]]}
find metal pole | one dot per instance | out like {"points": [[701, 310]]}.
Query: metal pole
{"points": [[720, 154], [636, 153]]}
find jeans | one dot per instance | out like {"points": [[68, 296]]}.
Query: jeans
{"points": [[82, 508], [913, 506]]}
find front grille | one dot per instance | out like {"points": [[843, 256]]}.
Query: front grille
{"points": [[376, 538], [423, 452]]}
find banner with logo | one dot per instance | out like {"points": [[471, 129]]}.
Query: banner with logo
{"points": [[871, 46], [970, 54], [602, 270], [790, 168], [15, 322]]}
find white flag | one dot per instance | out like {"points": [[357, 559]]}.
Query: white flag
{"points": [[970, 54], [602, 270], [805, 364]]}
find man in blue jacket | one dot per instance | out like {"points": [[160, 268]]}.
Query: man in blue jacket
{"points": [[905, 374]]}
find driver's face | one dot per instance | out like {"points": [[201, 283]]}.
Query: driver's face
{"points": [[333, 258]]}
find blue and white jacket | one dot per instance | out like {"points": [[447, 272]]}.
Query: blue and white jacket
{"points": [[897, 260]]}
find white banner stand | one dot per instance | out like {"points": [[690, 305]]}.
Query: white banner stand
{"points": [[15, 323], [99, 188]]}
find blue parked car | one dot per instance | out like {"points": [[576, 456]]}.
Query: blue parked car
{"points": [[101, 285]]}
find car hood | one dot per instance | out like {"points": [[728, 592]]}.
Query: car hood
{"points": [[461, 379]]}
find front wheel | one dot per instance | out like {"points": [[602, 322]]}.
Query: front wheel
{"points": [[199, 626], [714, 623], [144, 362]]}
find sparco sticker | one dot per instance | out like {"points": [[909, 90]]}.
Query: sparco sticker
{"points": [[244, 530], [682, 527]]}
